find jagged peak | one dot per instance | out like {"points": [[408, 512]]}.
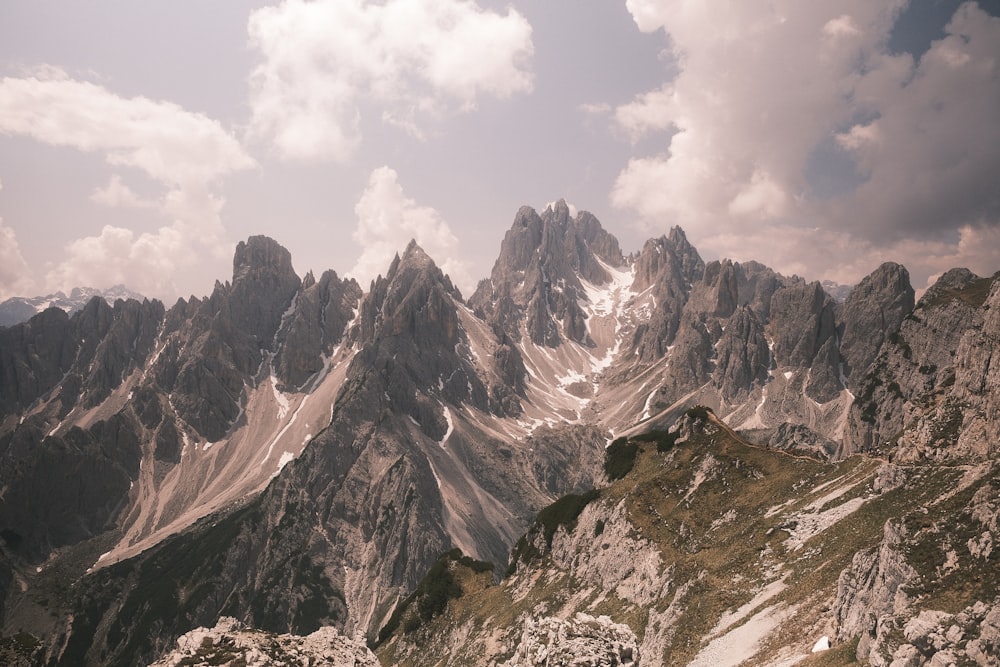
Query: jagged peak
{"points": [[415, 253], [259, 253], [308, 280], [677, 235], [888, 277]]}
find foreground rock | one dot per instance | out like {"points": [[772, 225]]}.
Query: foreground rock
{"points": [[232, 643], [582, 641]]}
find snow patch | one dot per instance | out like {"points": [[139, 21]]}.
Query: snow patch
{"points": [[279, 398], [451, 426], [741, 643], [809, 525], [572, 377], [649, 403], [730, 618]]}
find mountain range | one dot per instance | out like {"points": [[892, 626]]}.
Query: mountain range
{"points": [[19, 309], [640, 458]]}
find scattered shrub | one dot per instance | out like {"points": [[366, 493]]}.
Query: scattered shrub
{"points": [[619, 458], [699, 412], [433, 592]]}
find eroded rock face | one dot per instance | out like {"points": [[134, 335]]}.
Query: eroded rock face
{"points": [[86, 475], [668, 266], [870, 592], [802, 320], [206, 365], [743, 359], [930, 392], [232, 642], [582, 640], [315, 327], [536, 278], [872, 313]]}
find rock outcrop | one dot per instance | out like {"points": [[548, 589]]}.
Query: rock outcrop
{"points": [[582, 640], [872, 313], [536, 278], [232, 642], [667, 267], [929, 392]]}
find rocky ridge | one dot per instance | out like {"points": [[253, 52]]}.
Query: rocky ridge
{"points": [[231, 642], [300, 452], [20, 308], [713, 551]]}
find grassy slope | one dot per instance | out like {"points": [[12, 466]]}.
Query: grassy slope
{"points": [[720, 512]]}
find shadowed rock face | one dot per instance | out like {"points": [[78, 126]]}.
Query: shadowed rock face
{"points": [[536, 278], [939, 364], [264, 284], [872, 312], [317, 325], [743, 359], [668, 266]]}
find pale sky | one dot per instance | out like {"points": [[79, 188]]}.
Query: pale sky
{"points": [[140, 141]]}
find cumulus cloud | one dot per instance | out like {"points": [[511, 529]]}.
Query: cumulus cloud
{"points": [[185, 152], [414, 59], [766, 86], [388, 219], [15, 275], [171, 145], [933, 152], [117, 194], [152, 263]]}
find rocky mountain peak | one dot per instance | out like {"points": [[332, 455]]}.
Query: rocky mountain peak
{"points": [[873, 311], [260, 254], [411, 334], [668, 267], [537, 277], [930, 392], [264, 283]]}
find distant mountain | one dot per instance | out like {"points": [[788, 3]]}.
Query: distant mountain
{"points": [[22, 308], [297, 453], [837, 291]]}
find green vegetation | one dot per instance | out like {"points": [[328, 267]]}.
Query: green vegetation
{"points": [[619, 458], [665, 440], [699, 412], [562, 512], [431, 597], [974, 294]]}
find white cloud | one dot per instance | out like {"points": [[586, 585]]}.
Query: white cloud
{"points": [[763, 85], [185, 152], [412, 58], [151, 263], [15, 275], [388, 219], [171, 145], [117, 194]]}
